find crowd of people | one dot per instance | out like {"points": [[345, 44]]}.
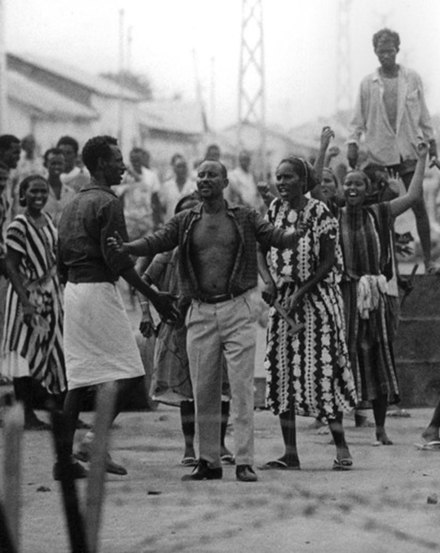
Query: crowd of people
{"points": [[321, 250]]}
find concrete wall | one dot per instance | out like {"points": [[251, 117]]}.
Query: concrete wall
{"points": [[417, 346]]}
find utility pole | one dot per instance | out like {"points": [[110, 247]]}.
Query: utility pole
{"points": [[121, 79], [343, 62], [3, 72], [251, 83]]}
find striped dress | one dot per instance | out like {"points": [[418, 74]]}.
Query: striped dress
{"points": [[39, 344], [367, 252], [310, 369]]}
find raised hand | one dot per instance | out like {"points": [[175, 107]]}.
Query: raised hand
{"points": [[326, 135], [422, 150]]}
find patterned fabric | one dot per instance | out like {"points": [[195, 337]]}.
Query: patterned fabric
{"points": [[310, 368], [40, 343], [171, 365], [365, 243]]}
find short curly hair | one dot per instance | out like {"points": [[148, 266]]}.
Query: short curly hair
{"points": [[388, 35], [96, 148], [24, 185]]}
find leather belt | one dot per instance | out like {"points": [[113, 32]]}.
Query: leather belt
{"points": [[218, 299]]}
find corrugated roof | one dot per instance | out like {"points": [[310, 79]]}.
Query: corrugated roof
{"points": [[172, 116], [45, 100], [95, 83]]}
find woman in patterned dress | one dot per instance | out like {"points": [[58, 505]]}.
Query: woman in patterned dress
{"points": [[32, 338], [308, 373], [368, 271]]}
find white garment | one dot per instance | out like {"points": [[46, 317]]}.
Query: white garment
{"points": [[170, 194], [243, 185], [99, 344], [13, 365]]}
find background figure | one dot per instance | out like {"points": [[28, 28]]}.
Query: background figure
{"points": [[392, 115], [9, 157], [60, 193], [32, 338], [136, 191], [175, 188], [171, 382], [368, 271], [73, 176], [308, 373], [242, 186]]}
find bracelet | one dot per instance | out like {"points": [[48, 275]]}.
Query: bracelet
{"points": [[144, 303]]}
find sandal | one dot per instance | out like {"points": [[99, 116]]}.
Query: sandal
{"points": [[278, 464], [343, 464], [228, 459], [189, 462]]}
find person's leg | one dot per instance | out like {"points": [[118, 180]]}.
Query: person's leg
{"points": [[24, 393], [424, 231], [343, 456], [238, 333], [71, 409], [380, 405], [204, 355], [288, 431], [431, 433], [422, 224], [187, 418]]}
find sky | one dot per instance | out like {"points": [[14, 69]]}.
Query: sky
{"points": [[173, 40]]}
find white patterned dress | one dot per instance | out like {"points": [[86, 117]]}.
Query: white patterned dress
{"points": [[311, 368]]}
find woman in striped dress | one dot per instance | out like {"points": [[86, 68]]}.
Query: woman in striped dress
{"points": [[308, 373], [32, 338], [367, 252]]}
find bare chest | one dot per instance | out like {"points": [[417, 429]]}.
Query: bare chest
{"points": [[216, 232]]}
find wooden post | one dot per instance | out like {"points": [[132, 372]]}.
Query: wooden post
{"points": [[105, 401], [72, 510]]}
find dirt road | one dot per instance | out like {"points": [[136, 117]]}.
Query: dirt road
{"points": [[380, 506]]}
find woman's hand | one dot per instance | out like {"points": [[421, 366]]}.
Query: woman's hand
{"points": [[292, 304], [29, 311], [116, 244], [422, 149], [326, 135]]}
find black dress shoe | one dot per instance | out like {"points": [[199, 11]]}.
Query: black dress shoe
{"points": [[204, 472], [245, 473]]}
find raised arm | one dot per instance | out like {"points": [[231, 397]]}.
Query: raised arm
{"points": [[326, 135], [415, 190]]}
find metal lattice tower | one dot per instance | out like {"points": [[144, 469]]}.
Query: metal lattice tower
{"points": [[343, 74], [252, 94]]}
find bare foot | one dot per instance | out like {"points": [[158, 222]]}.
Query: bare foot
{"points": [[381, 436], [431, 434]]}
